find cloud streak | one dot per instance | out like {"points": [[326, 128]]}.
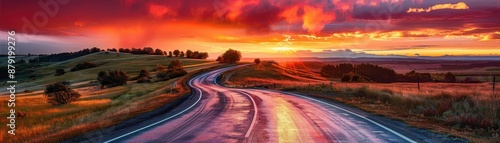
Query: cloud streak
{"points": [[457, 6]]}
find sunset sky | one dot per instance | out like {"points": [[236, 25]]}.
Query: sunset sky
{"points": [[259, 28]]}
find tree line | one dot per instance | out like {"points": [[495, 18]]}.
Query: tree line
{"points": [[146, 50], [355, 73], [348, 72], [63, 56], [150, 51]]}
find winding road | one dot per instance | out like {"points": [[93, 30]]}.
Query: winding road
{"points": [[216, 113]]}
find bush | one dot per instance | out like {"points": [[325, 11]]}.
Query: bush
{"points": [[143, 76], [449, 77], [112, 78], [162, 74], [143, 73], [58, 93], [82, 66], [175, 64], [60, 72], [346, 78], [256, 61], [177, 73], [175, 69]]}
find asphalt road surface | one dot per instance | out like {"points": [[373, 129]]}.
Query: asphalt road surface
{"points": [[220, 114]]}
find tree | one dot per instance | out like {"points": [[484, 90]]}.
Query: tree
{"points": [[202, 55], [58, 93], [148, 50], [219, 59], [189, 54], [158, 52], [231, 56], [449, 77], [169, 53], [182, 54], [112, 78], [257, 61], [60, 72], [195, 54], [95, 50], [177, 52]]}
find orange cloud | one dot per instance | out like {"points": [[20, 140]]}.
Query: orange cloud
{"points": [[460, 5], [159, 10], [315, 19]]}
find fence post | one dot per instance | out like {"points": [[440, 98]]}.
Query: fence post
{"points": [[494, 85], [418, 82]]}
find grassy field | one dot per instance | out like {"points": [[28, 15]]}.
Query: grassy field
{"points": [[97, 108], [471, 111]]}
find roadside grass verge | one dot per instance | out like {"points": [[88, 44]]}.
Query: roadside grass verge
{"points": [[96, 109]]}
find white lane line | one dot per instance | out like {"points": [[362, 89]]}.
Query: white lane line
{"points": [[163, 120], [254, 120], [363, 117]]}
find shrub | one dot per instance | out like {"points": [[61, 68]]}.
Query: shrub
{"points": [[162, 74], [177, 73], [58, 93], [256, 61], [175, 69], [143, 73], [449, 77], [346, 78], [175, 64], [60, 72], [112, 78], [143, 76], [82, 66]]}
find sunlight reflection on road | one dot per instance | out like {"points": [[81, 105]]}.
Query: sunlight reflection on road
{"points": [[287, 130]]}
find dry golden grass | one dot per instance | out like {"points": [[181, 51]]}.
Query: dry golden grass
{"points": [[466, 110], [96, 109]]}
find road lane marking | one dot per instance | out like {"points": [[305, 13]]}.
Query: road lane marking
{"points": [[363, 117], [254, 120], [163, 120]]}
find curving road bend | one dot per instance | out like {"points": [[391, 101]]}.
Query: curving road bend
{"points": [[220, 114]]}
